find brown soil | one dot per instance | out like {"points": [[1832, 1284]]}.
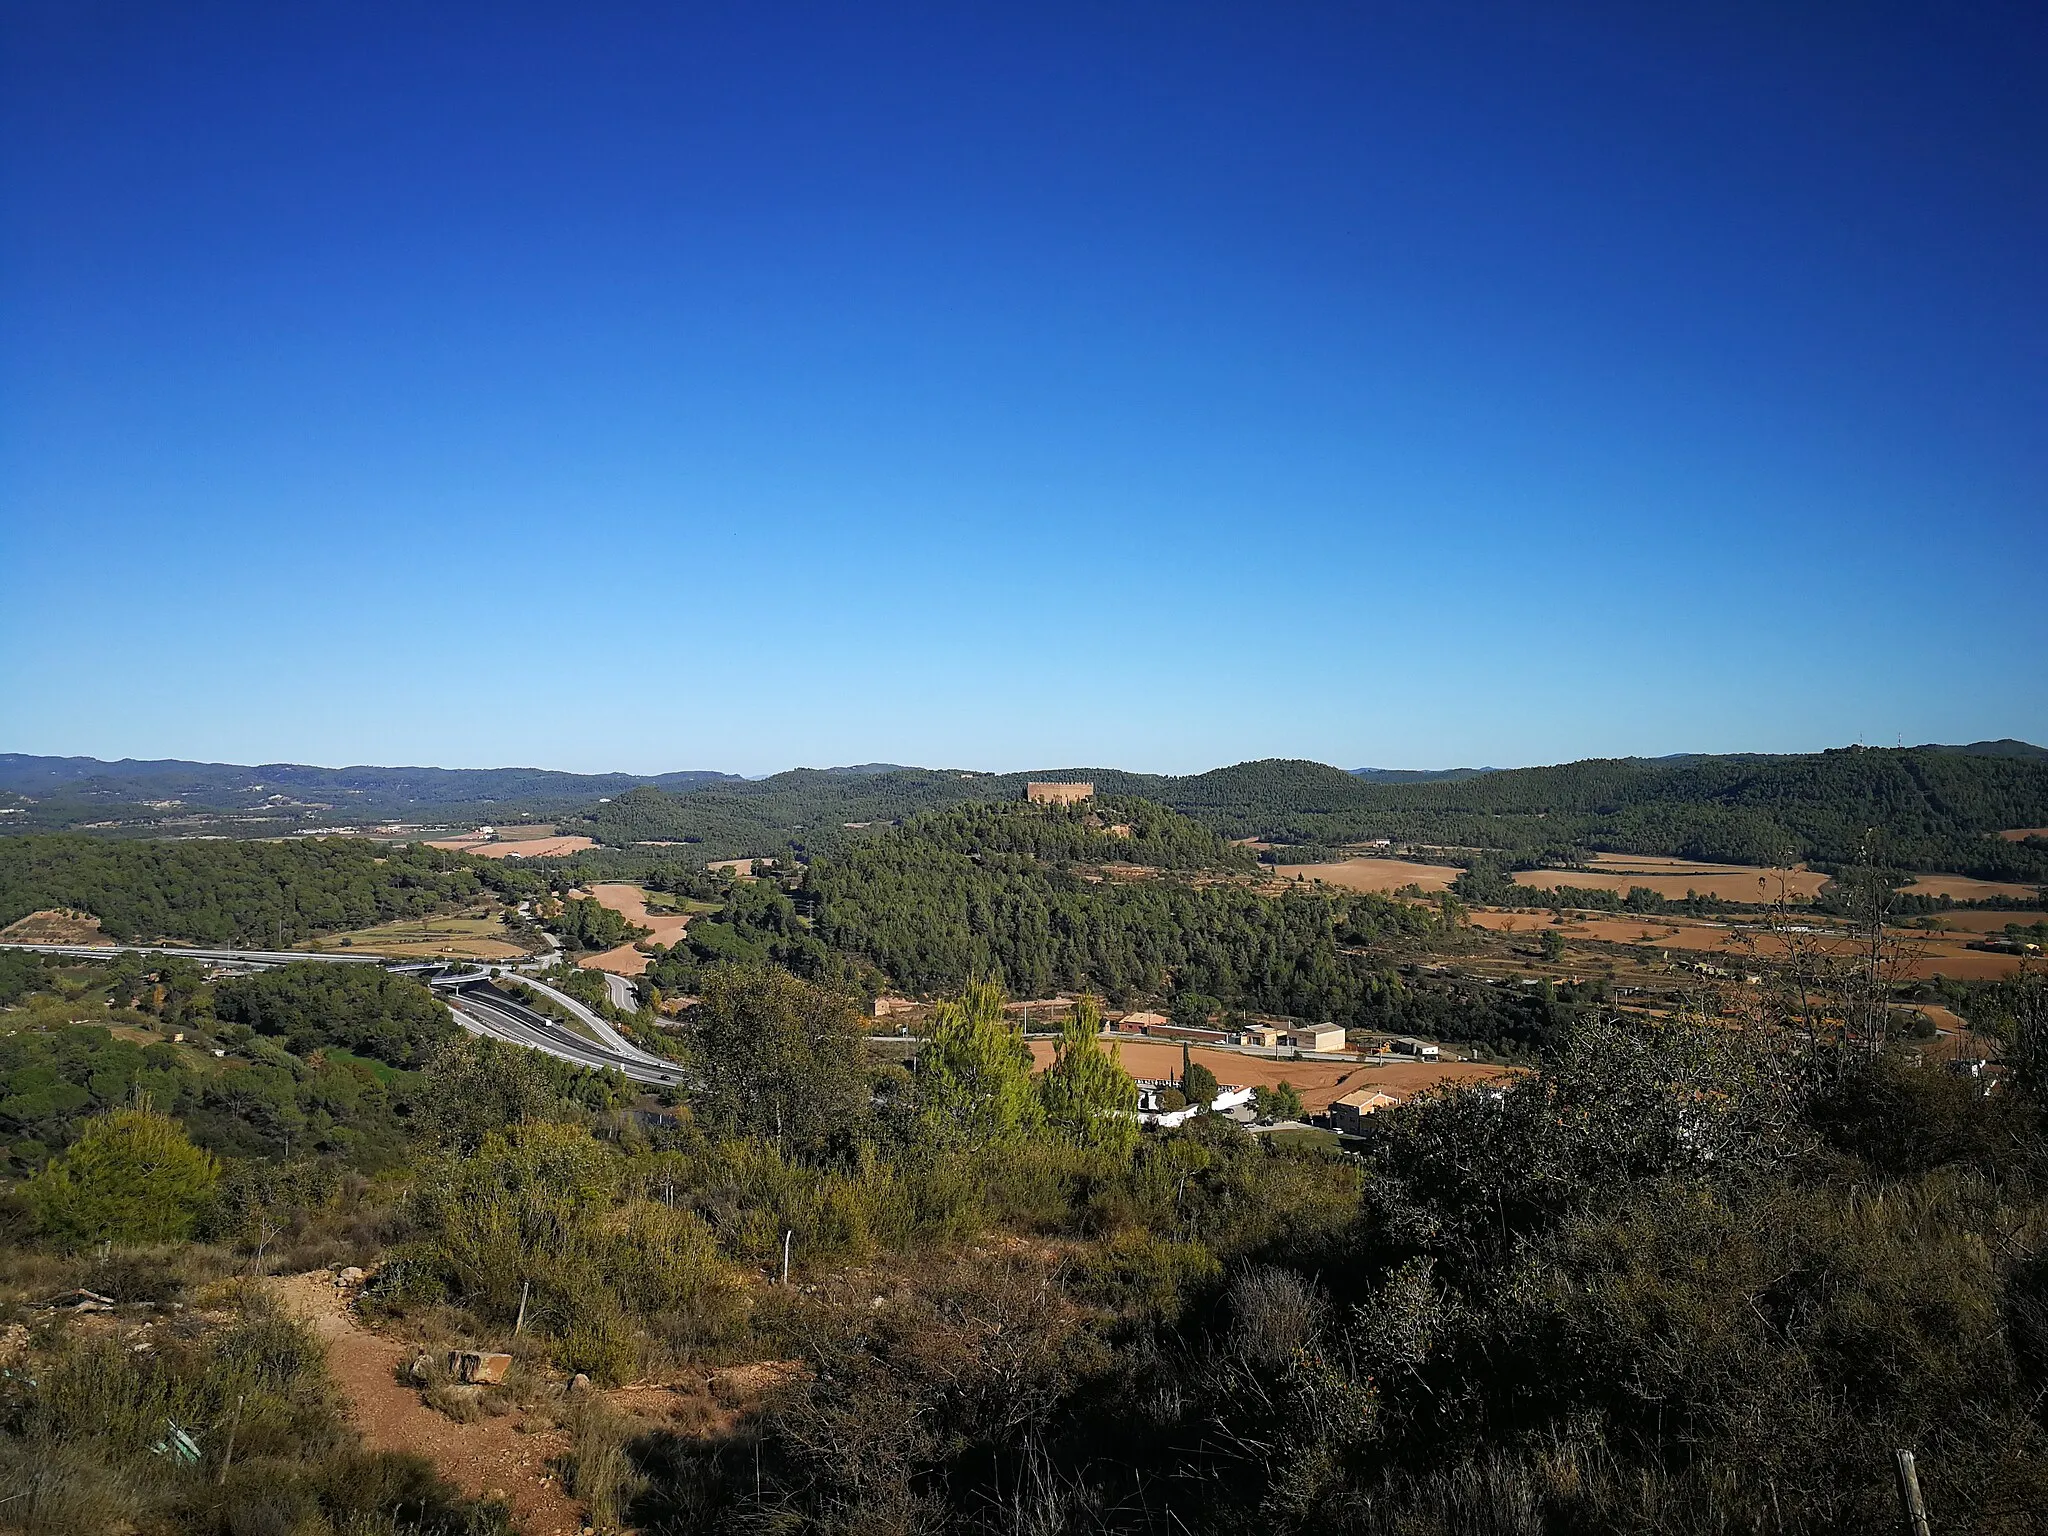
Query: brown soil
{"points": [[534, 848], [1318, 1081], [1674, 877], [1992, 921], [491, 1455], [1963, 888], [630, 902], [2021, 834], [1382, 875], [1926, 954], [54, 927]]}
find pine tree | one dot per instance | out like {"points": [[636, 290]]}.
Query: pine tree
{"points": [[1088, 1096], [132, 1177], [973, 1080]]}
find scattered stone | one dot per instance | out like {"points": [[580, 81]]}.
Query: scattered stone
{"points": [[422, 1366], [478, 1366], [579, 1383], [351, 1276], [80, 1301]]}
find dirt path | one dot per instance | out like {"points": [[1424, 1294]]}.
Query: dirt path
{"points": [[491, 1456]]}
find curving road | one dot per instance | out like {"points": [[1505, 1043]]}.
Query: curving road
{"points": [[478, 1007], [483, 1010]]}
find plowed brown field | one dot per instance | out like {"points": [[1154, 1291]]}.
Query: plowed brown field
{"points": [[630, 902], [1382, 875], [1675, 877], [1318, 1081]]}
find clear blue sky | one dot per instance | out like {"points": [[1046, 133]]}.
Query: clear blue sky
{"points": [[646, 386]]}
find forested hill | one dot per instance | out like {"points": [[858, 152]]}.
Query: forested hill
{"points": [[51, 793], [1936, 807]]}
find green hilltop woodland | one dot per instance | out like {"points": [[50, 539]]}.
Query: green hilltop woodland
{"points": [[1930, 808], [1681, 1279], [242, 894]]}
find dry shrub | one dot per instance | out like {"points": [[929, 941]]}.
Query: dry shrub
{"points": [[64, 1490], [598, 1469]]}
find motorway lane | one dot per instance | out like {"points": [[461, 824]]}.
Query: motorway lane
{"points": [[594, 1021], [502, 1019], [505, 1020]]}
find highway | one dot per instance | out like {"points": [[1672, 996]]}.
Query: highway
{"points": [[478, 1007], [483, 1010], [595, 1022], [218, 956]]}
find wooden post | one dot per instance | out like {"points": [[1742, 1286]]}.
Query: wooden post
{"points": [[786, 1236], [227, 1454], [519, 1327], [1909, 1495]]}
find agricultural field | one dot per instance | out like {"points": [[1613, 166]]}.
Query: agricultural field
{"points": [[470, 936], [1983, 921], [666, 923], [514, 847], [1384, 876], [1675, 878], [1963, 888], [54, 926], [1924, 955], [2021, 834], [1318, 1082]]}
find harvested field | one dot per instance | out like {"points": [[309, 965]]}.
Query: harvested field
{"points": [[534, 848], [515, 845], [2021, 834], [630, 902], [1993, 921], [1318, 1081], [55, 927], [1963, 888], [434, 938], [1382, 875], [1926, 955], [1673, 878]]}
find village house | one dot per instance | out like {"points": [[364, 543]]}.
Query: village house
{"points": [[1347, 1115]]}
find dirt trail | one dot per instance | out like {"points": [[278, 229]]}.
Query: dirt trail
{"points": [[489, 1456]]}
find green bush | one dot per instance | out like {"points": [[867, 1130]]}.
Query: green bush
{"points": [[132, 1177]]}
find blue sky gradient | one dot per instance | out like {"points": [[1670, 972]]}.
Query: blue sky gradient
{"points": [[651, 387]]}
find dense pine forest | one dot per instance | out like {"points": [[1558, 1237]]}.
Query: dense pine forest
{"points": [[226, 893], [1918, 808], [1931, 808]]}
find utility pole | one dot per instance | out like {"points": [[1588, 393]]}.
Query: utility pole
{"points": [[786, 1236]]}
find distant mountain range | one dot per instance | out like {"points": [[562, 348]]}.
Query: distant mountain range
{"points": [[1932, 807]]}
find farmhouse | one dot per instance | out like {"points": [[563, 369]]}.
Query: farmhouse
{"points": [[1347, 1115], [1058, 794]]}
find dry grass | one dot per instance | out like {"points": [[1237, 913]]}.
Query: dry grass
{"points": [[55, 926], [1382, 875], [469, 937], [1963, 888], [1674, 878]]}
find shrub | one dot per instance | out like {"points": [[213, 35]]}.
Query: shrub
{"points": [[132, 1177]]}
